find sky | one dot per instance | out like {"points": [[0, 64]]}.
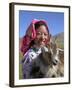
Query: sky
{"points": [[55, 21]]}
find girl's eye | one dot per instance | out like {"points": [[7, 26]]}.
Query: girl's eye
{"points": [[45, 34], [39, 33]]}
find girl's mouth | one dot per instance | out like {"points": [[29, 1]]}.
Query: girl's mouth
{"points": [[42, 42]]}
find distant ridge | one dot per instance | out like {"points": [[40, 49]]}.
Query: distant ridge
{"points": [[59, 36], [59, 39]]}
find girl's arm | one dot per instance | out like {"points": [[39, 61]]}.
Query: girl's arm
{"points": [[27, 66]]}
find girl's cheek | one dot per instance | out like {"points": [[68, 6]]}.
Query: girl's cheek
{"points": [[38, 37]]}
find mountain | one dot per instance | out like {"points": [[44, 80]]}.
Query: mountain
{"points": [[59, 36], [59, 39]]}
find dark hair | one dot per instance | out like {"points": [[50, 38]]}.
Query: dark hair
{"points": [[40, 23]]}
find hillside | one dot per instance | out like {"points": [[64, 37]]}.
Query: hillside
{"points": [[59, 39]]}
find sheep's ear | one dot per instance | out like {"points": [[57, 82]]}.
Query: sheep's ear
{"points": [[43, 52], [42, 49], [61, 55], [53, 47], [52, 43]]}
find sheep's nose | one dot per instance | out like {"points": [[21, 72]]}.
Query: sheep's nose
{"points": [[55, 62], [53, 76]]}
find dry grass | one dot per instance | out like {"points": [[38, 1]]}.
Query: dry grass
{"points": [[20, 65]]}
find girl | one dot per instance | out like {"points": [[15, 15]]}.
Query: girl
{"points": [[37, 36]]}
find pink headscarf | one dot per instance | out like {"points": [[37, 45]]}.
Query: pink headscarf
{"points": [[30, 36]]}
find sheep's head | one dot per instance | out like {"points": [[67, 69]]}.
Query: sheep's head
{"points": [[50, 54]]}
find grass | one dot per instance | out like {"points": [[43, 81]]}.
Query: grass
{"points": [[60, 44], [20, 65]]}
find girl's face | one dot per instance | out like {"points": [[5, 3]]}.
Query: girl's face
{"points": [[42, 36]]}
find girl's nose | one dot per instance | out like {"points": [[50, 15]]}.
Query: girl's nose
{"points": [[42, 36]]}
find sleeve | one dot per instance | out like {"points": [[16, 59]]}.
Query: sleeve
{"points": [[27, 66]]}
